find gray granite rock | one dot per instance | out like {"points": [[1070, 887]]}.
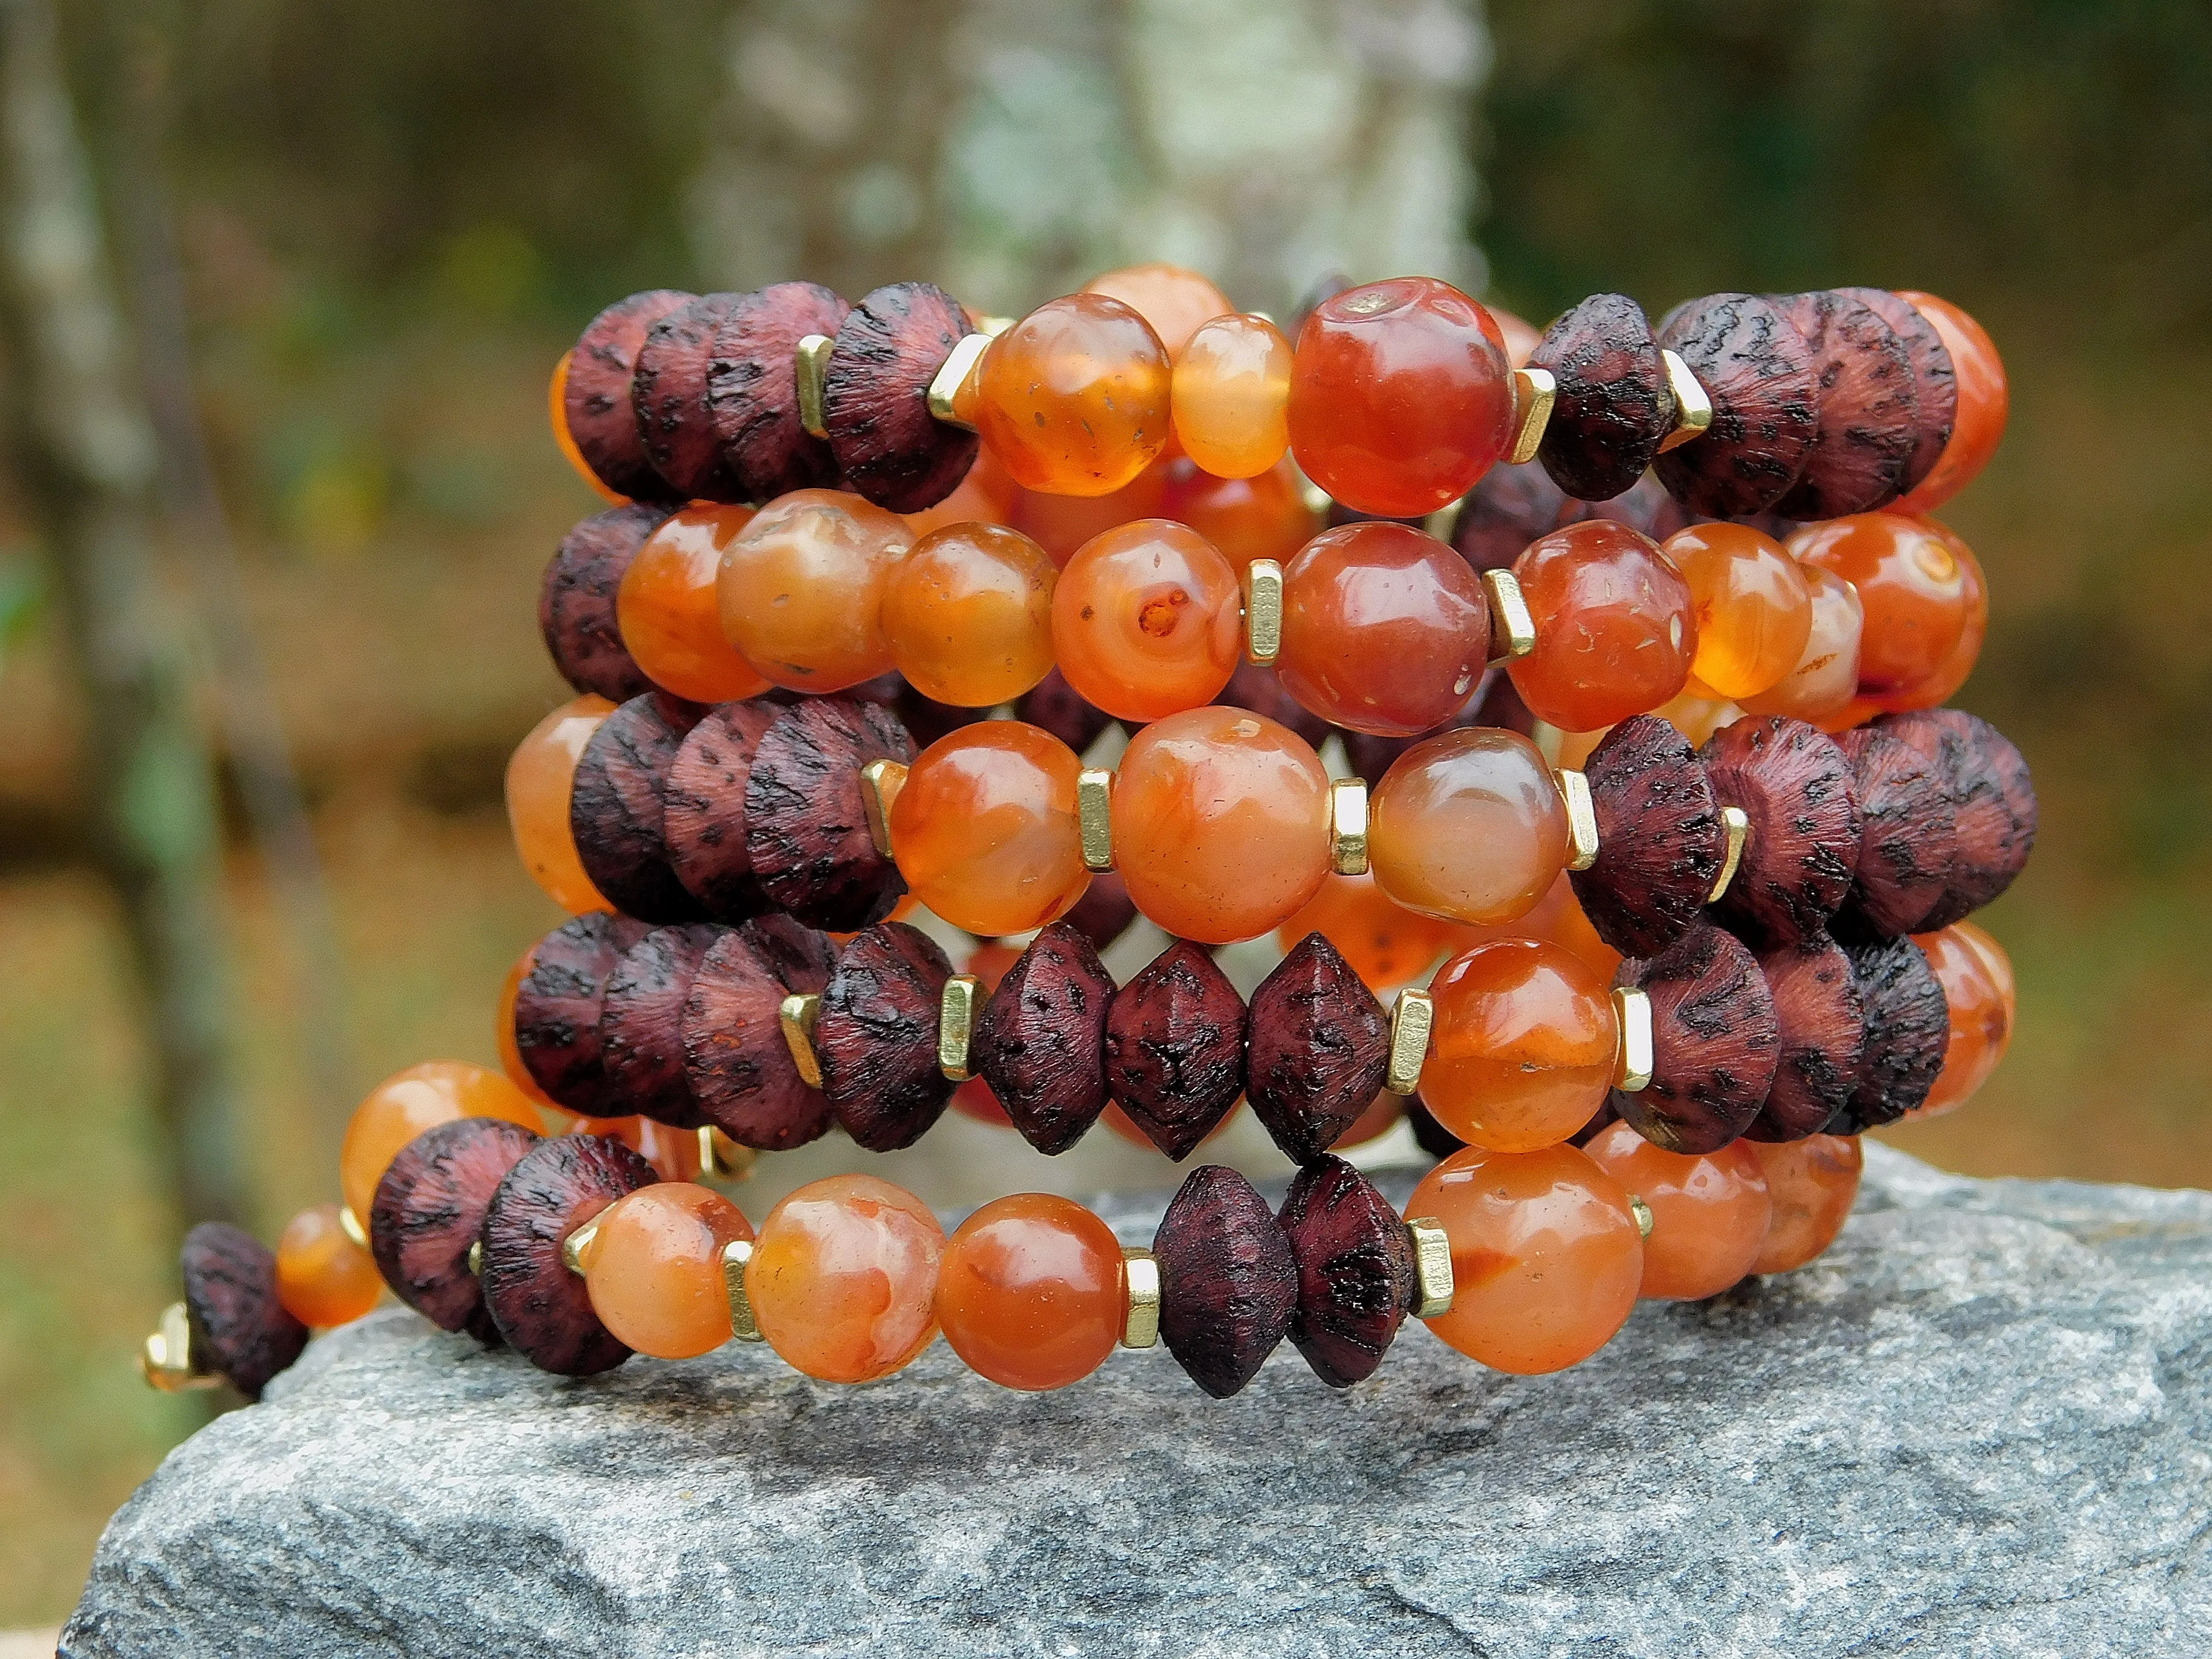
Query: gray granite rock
{"points": [[1979, 1426]]}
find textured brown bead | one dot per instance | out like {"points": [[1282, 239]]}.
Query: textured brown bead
{"points": [[1908, 1025], [557, 1004], [1104, 912], [616, 811], [925, 719], [1040, 1041], [876, 1036], [1357, 1279], [641, 1023], [1715, 1042], [1758, 372], [739, 1067], [1174, 1047], [1229, 1285], [543, 1310], [1317, 1046], [596, 402], [576, 601], [752, 390], [875, 400], [703, 809], [1869, 407], [669, 392], [239, 1327], [1512, 506], [806, 821], [1934, 381], [1659, 840], [1053, 705], [1795, 786], [1612, 406], [430, 1209], [1257, 687], [800, 956], [1822, 1022], [1908, 839], [1992, 798]]}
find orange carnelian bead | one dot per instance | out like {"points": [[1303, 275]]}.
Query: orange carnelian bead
{"points": [[1062, 525], [1400, 397], [1220, 823], [407, 1102], [1910, 583], [1146, 620], [1557, 918], [968, 615], [1940, 687], [1976, 975], [1074, 397], [843, 1279], [1175, 301], [670, 617], [1754, 612], [1524, 1047], [557, 398], [801, 589], [1478, 787], [1264, 517], [654, 1268], [1385, 943], [1708, 1213], [1615, 628], [1826, 677], [1985, 400], [1030, 1293], [1811, 1183], [986, 496], [1695, 717], [985, 831], [1233, 386], [322, 1277], [1546, 1257], [539, 776]]}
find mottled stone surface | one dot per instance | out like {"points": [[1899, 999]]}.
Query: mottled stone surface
{"points": [[1978, 1426]]}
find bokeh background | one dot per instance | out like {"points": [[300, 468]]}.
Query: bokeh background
{"points": [[347, 243]]}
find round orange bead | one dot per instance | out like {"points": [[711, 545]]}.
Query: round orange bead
{"points": [[1220, 823], [1984, 401], [670, 616], [1940, 687], [1557, 918], [1478, 787], [1708, 1213], [322, 1277], [557, 398], [1174, 301], [1385, 943], [1524, 1048], [801, 589], [1910, 583], [985, 831], [1062, 524], [1030, 1293], [1262, 517], [1546, 1257], [1146, 620], [654, 1268], [1811, 1183], [1976, 975], [1232, 392], [407, 1102], [1826, 677], [1754, 612], [986, 496], [540, 774], [1074, 399], [843, 1279], [968, 615], [1615, 628]]}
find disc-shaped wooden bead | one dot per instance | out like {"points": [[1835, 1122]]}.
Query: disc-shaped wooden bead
{"points": [[1934, 381], [876, 1036], [1869, 407], [1317, 1046], [1758, 372], [1611, 403], [806, 820], [875, 399], [430, 1209], [752, 390], [543, 1310], [576, 600], [596, 400], [1908, 1023], [1795, 786], [669, 390], [738, 1065], [1105, 910], [616, 811], [1908, 837], [1040, 1041], [1822, 1025], [1356, 1271], [1229, 1283], [802, 957], [1509, 507], [1660, 838], [1714, 1041], [1174, 1047], [557, 1004], [703, 809], [641, 1023], [239, 1327], [1993, 801]]}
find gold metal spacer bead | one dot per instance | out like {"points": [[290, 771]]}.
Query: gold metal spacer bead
{"points": [[475, 1258], [1693, 407], [1410, 1017], [1432, 1268], [1140, 1272], [1512, 626], [1736, 823], [1534, 392], [1444, 523], [1582, 817], [1347, 827], [744, 1327], [349, 1225], [1094, 817], [721, 1158], [953, 373], [580, 1240], [1641, 1211], [1633, 1010], [955, 1024], [1263, 612], [810, 368], [880, 783], [168, 1359], [992, 327], [796, 1017]]}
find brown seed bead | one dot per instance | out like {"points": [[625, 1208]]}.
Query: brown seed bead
{"points": [[1935, 382], [1909, 838], [1040, 1041], [1660, 838], [576, 601], [1056, 707], [1908, 1031], [1174, 1047], [543, 1310], [641, 1024], [1759, 375], [806, 820], [1105, 910], [238, 1325], [801, 957], [616, 811], [875, 399], [752, 390], [1318, 1047], [1822, 1022], [738, 1065], [669, 392], [557, 1006], [876, 1036], [703, 809], [1714, 1040], [1356, 1274], [429, 1210], [1612, 406], [1229, 1285], [1869, 407], [1794, 785], [1992, 797], [596, 399]]}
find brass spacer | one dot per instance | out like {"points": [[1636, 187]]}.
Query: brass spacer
{"points": [[992, 327], [1094, 817], [169, 1360], [953, 373], [736, 1255], [349, 1225], [1433, 1268], [1632, 1009], [475, 1258], [1347, 827], [880, 783], [810, 368], [1694, 408], [721, 1158], [1512, 626], [1410, 1017], [1444, 523], [1140, 1272], [955, 1024], [796, 1015], [1641, 1211], [1736, 823], [1582, 817], [1534, 392], [579, 1240], [1263, 611]]}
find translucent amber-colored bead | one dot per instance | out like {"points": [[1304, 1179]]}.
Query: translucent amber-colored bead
{"points": [[843, 1279], [1827, 676], [1695, 717], [407, 1102], [1546, 1257], [968, 615], [801, 589], [1233, 390], [670, 616], [1063, 524], [673, 1152], [985, 831], [540, 774], [1557, 918], [1985, 400], [1263, 517], [1400, 397], [1030, 1293], [1174, 301], [1754, 612], [1220, 823], [1615, 628], [510, 1053], [654, 1268], [1910, 583], [1524, 1046], [1386, 943], [1708, 1213], [557, 398], [1976, 975], [986, 496], [322, 1277], [1811, 1184], [1147, 620], [1940, 687], [1074, 399], [1468, 825]]}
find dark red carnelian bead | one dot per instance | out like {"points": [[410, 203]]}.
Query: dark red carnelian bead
{"points": [[1984, 401], [1616, 627]]}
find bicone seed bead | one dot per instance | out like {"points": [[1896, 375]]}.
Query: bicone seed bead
{"points": [[322, 1277], [654, 1268], [1477, 787], [1074, 399], [1030, 1291], [801, 589], [1984, 401], [1754, 612], [1811, 1183], [671, 619], [1173, 300], [1827, 676], [1709, 1211], [407, 1102], [1145, 620], [511, 1062], [1524, 1047], [1977, 978], [1910, 583], [968, 615], [1616, 629], [984, 829], [843, 1278], [541, 775], [1232, 395]]}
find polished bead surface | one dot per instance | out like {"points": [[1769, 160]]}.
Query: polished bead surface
{"points": [[1062, 524], [1910, 583], [985, 829], [1174, 301], [1263, 517], [1943, 685], [541, 775], [1754, 612], [1145, 620], [1386, 943], [1480, 787], [1232, 395], [968, 615], [322, 1277], [1524, 1047], [801, 589], [557, 398], [671, 619], [1616, 630], [1827, 676], [1984, 401], [1811, 1183], [1709, 1211], [1074, 399], [654, 1268], [843, 1278], [407, 1102], [1030, 1291], [1978, 990]]}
